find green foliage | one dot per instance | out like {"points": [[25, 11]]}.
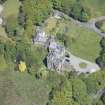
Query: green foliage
{"points": [[12, 25], [73, 91], [70, 93], [21, 17], [103, 98], [62, 95], [20, 50], [101, 58], [95, 82], [3, 1], [91, 85], [76, 38], [29, 30], [73, 8], [36, 10], [79, 12], [42, 73], [63, 5], [80, 92], [7, 50]]}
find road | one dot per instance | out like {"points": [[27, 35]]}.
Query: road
{"points": [[90, 24]]}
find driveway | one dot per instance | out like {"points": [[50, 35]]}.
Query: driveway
{"points": [[90, 67]]}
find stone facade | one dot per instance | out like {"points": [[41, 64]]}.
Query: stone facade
{"points": [[39, 38], [56, 58]]}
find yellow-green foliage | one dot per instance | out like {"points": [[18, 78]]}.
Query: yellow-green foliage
{"points": [[22, 66], [11, 7], [50, 25]]}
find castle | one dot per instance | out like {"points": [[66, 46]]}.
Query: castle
{"points": [[57, 58]]}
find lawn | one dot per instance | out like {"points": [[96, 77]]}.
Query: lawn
{"points": [[83, 42], [22, 89], [11, 7], [50, 24]]}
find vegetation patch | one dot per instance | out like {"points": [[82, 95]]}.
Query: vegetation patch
{"points": [[83, 65], [50, 25]]}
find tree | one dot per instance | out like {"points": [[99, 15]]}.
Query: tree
{"points": [[103, 98], [101, 58], [36, 10], [56, 4], [62, 95], [2, 1], [21, 17], [67, 5], [72, 8], [80, 12], [80, 92], [22, 66], [42, 73]]}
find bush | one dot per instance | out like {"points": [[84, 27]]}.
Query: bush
{"points": [[79, 12], [73, 8], [2, 1]]}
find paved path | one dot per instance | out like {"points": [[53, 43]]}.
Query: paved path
{"points": [[90, 24], [90, 67], [99, 93]]}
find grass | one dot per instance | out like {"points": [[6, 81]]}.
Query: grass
{"points": [[83, 65], [50, 25], [83, 42], [22, 89], [11, 7]]}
